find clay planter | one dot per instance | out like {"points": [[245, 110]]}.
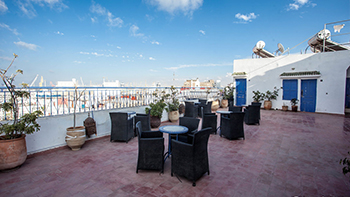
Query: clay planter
{"points": [[155, 122], [173, 116], [267, 105], [13, 152], [224, 103], [75, 138], [294, 108], [284, 108], [215, 105]]}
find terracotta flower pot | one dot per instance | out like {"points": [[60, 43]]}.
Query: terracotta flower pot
{"points": [[224, 103], [284, 108], [215, 105], [267, 105], [295, 108], [173, 116], [13, 152], [75, 138], [155, 122]]}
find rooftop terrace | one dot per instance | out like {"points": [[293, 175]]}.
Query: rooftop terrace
{"points": [[288, 154]]}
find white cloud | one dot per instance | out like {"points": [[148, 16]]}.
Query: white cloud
{"points": [[185, 6], [84, 53], [246, 18], [50, 21], [14, 31], [155, 42], [26, 45], [133, 31], [118, 47], [6, 58], [26, 6], [98, 9], [79, 62], [151, 58], [94, 19], [3, 7], [197, 65], [153, 70], [202, 32], [59, 33], [298, 4]]}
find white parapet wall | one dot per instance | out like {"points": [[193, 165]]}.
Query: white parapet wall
{"points": [[53, 129]]}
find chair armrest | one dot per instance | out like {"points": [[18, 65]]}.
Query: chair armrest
{"points": [[151, 134], [225, 118]]}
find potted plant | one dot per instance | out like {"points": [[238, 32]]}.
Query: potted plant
{"points": [[258, 97], [346, 164], [284, 107], [173, 105], [156, 108], [75, 136], [294, 103], [227, 95], [13, 149], [270, 96]]}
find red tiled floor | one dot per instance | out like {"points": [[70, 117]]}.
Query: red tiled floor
{"points": [[288, 154]]}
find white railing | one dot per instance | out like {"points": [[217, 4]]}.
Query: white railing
{"points": [[54, 101]]}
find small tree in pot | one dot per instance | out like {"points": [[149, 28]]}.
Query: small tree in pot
{"points": [[156, 108], [173, 105], [258, 97], [13, 149], [227, 95], [294, 103], [270, 96]]}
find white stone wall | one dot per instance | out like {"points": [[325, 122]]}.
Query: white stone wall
{"points": [[53, 129], [264, 74]]}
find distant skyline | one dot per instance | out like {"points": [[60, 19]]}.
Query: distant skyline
{"points": [[143, 42]]}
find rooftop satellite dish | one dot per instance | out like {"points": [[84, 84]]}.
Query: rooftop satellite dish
{"points": [[280, 47], [260, 45]]}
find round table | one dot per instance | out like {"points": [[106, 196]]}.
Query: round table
{"points": [[171, 130]]}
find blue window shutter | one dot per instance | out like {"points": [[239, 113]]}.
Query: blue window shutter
{"points": [[290, 89]]}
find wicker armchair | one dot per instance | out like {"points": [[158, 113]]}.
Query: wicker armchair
{"points": [[204, 108], [151, 150], [145, 122], [191, 124], [191, 160], [210, 120], [252, 114], [235, 108], [191, 110], [232, 126]]}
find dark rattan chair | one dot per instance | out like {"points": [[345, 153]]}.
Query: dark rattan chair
{"points": [[191, 124], [257, 104], [151, 149], [235, 108], [191, 160], [145, 122], [210, 120], [191, 110], [122, 128], [205, 109], [232, 126], [252, 114]]}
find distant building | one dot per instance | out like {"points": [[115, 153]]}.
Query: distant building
{"points": [[111, 83], [209, 83], [192, 83], [218, 84], [67, 83]]}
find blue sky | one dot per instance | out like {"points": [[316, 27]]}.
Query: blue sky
{"points": [[141, 42]]}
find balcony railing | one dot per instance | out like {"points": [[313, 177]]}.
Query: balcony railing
{"points": [[53, 101]]}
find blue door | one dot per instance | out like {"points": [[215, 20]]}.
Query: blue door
{"points": [[308, 95], [241, 88], [347, 94]]}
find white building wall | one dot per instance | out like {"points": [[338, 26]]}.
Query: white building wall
{"points": [[264, 74]]}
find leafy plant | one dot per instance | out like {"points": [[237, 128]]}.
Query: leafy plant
{"points": [[27, 124], [294, 101], [156, 108], [76, 99], [346, 164], [271, 95], [258, 96], [228, 91], [173, 104]]}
